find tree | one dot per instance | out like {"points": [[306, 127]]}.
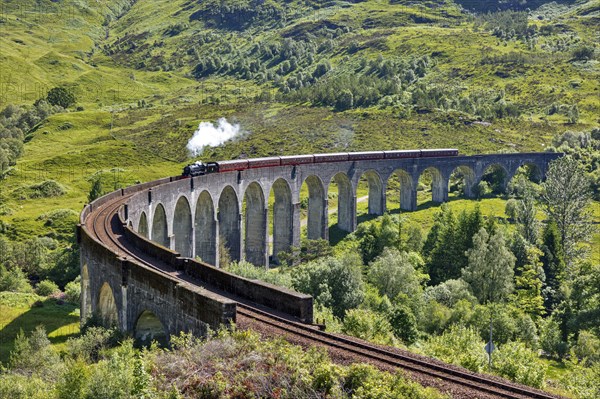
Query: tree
{"points": [[490, 269], [447, 243], [96, 190], [345, 100], [554, 266], [393, 274], [333, 282], [375, 236], [528, 283], [61, 96], [567, 197], [525, 218]]}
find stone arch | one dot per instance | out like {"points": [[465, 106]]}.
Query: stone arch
{"points": [[376, 192], [149, 328], [408, 192], [346, 202], [206, 229], [229, 222], [182, 227], [496, 175], [86, 293], [143, 225], [317, 209], [283, 214], [160, 230], [439, 188], [255, 224], [107, 307], [466, 174]]}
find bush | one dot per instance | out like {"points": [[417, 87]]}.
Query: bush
{"points": [[482, 189], [520, 364], [450, 292], [61, 96], [334, 282], [45, 189], [587, 347], [459, 345], [14, 280], [550, 338], [46, 288], [367, 325], [73, 290], [510, 208], [583, 53]]}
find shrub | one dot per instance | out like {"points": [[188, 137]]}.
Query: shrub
{"points": [[459, 345], [14, 280], [587, 347], [550, 338], [367, 325], [518, 363], [334, 282], [583, 53], [482, 189], [46, 288], [73, 290], [45, 189], [61, 96]]}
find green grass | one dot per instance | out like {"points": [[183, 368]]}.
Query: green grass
{"points": [[27, 311]]}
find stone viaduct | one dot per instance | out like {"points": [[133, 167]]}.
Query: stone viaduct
{"points": [[176, 219], [191, 216]]}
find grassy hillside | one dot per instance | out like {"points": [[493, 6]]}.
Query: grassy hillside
{"points": [[420, 74]]}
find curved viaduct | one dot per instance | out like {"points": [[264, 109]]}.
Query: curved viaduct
{"points": [[138, 244]]}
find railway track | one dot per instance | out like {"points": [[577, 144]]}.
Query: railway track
{"points": [[105, 225]]}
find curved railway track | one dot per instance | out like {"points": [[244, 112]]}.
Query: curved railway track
{"points": [[106, 226]]}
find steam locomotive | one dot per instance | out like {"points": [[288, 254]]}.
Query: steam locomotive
{"points": [[200, 168]]}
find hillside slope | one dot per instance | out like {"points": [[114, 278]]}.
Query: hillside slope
{"points": [[298, 76]]}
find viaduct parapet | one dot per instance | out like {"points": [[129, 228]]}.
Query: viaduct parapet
{"points": [[171, 221]]}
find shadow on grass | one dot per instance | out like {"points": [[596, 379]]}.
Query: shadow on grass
{"points": [[59, 319]]}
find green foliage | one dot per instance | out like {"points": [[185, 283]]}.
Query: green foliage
{"points": [[309, 250], [459, 345], [46, 288], [583, 53], [551, 338], [450, 292], [447, 242], [554, 266], [96, 191], [33, 354], [518, 363], [368, 325], [45, 189], [334, 282], [274, 276], [73, 290], [582, 381], [567, 198], [14, 280], [490, 268], [60, 96], [374, 237], [393, 274], [528, 286], [404, 324], [587, 347]]}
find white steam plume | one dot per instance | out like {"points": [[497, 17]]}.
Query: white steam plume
{"points": [[209, 135]]}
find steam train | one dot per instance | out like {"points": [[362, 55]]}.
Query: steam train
{"points": [[200, 168]]}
